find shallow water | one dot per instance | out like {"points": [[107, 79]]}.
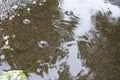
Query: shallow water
{"points": [[61, 40]]}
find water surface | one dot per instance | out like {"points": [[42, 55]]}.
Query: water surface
{"points": [[61, 39]]}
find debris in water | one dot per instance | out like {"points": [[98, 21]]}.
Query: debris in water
{"points": [[26, 21], [42, 44]]}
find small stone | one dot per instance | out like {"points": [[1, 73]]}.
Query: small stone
{"points": [[42, 44], [26, 21]]}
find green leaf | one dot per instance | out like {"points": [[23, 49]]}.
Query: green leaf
{"points": [[13, 75]]}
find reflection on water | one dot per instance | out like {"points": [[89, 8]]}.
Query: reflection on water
{"points": [[102, 52], [53, 40], [4, 66]]}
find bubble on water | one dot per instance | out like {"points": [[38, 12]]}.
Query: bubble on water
{"points": [[69, 13], [2, 57], [26, 21], [42, 44]]}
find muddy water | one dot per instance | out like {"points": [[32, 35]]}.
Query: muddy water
{"points": [[61, 40]]}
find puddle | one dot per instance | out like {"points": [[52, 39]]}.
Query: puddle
{"points": [[60, 39]]}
